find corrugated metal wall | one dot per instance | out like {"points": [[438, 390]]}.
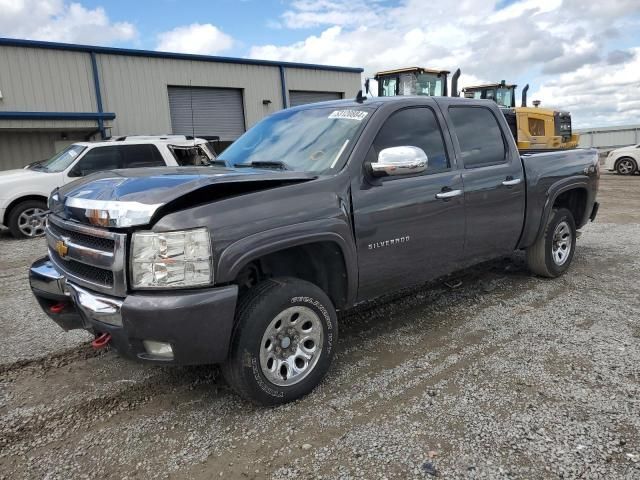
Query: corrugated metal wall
{"points": [[609, 137], [347, 83], [135, 88], [18, 149], [39, 80]]}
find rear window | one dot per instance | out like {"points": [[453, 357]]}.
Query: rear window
{"points": [[479, 136]]}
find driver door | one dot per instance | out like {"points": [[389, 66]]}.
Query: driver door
{"points": [[409, 228]]}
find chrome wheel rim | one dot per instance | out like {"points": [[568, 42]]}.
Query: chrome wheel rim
{"points": [[561, 246], [625, 167], [32, 221], [291, 346]]}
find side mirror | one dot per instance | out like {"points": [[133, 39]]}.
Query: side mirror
{"points": [[75, 172], [400, 161]]}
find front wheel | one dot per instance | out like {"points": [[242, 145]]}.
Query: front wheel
{"points": [[553, 251], [283, 343], [27, 219], [626, 166]]}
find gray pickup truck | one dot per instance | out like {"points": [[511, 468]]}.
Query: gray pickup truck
{"points": [[313, 210]]}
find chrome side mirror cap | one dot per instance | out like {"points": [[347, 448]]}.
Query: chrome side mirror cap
{"points": [[400, 161]]}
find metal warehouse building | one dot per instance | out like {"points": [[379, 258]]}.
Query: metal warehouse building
{"points": [[52, 94]]}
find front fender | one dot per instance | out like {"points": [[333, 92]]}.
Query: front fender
{"points": [[250, 248]]}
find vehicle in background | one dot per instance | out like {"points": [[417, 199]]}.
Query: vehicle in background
{"points": [[24, 192], [535, 129], [318, 208], [623, 160], [415, 81]]}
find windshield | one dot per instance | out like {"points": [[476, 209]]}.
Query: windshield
{"points": [[61, 160], [503, 96], [429, 84], [310, 140]]}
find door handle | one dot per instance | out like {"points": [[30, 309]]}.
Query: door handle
{"points": [[448, 194], [511, 182]]}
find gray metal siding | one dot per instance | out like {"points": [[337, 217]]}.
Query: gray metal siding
{"points": [[346, 83], [207, 111], [38, 80], [609, 137], [18, 149], [136, 89], [298, 97]]}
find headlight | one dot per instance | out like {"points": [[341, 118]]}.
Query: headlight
{"points": [[171, 259]]}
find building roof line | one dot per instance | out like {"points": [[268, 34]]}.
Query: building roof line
{"points": [[16, 42]]}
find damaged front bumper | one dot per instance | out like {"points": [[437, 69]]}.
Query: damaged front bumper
{"points": [[196, 324]]}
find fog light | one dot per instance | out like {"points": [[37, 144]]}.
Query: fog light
{"points": [[158, 349]]}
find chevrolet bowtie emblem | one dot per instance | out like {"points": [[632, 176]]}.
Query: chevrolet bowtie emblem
{"points": [[62, 248]]}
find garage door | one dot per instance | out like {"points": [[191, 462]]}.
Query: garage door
{"points": [[299, 97], [216, 111]]}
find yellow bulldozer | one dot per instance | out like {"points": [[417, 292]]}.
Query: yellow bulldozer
{"points": [[533, 128]]}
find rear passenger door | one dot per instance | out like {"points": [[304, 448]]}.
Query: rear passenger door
{"points": [[494, 187]]}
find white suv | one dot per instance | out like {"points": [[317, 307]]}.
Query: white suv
{"points": [[24, 192]]}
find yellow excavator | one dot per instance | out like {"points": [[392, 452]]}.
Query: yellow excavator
{"points": [[534, 128]]}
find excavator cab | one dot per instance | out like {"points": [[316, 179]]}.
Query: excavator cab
{"points": [[502, 93], [412, 81]]}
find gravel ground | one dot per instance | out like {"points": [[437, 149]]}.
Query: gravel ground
{"points": [[507, 376]]}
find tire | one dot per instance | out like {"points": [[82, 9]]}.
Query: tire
{"points": [[547, 257], [263, 353], [626, 166], [22, 222]]}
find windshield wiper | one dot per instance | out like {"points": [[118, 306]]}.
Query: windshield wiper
{"points": [[265, 164]]}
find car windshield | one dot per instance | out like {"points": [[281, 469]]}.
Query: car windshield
{"points": [[309, 140], [60, 161]]}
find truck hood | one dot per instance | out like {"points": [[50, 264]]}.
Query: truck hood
{"points": [[125, 198]]}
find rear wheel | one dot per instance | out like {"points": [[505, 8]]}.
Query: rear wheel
{"points": [[27, 219], [553, 252], [283, 342], [626, 166]]}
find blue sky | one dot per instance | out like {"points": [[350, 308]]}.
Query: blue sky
{"points": [[580, 55], [247, 20]]}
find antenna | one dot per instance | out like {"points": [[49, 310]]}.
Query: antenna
{"points": [[193, 125], [359, 97]]}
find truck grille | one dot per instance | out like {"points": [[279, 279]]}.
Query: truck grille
{"points": [[98, 243], [89, 256]]}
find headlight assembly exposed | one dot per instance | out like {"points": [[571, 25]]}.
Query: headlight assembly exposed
{"points": [[171, 259]]}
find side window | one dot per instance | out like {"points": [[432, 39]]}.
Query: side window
{"points": [[136, 156], [96, 160], [536, 127], [479, 136], [414, 127], [389, 87], [190, 156]]}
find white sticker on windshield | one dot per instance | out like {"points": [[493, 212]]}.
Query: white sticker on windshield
{"points": [[72, 153], [356, 115]]}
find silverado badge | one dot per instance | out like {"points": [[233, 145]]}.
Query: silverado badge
{"points": [[62, 248]]}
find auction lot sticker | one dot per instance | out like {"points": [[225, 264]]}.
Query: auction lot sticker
{"points": [[356, 115]]}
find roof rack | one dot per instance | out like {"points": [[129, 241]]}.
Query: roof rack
{"points": [[168, 136]]}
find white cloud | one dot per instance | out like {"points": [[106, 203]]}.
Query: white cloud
{"points": [[198, 38], [57, 20], [539, 42]]}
